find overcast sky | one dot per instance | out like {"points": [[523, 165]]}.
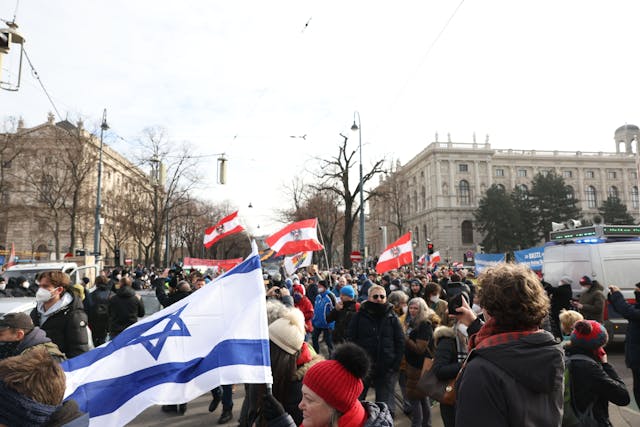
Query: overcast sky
{"points": [[242, 77]]}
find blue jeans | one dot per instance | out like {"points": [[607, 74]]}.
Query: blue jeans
{"points": [[315, 335]]}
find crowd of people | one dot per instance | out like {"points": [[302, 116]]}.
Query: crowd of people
{"points": [[506, 340]]}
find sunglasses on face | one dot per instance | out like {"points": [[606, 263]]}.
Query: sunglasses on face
{"points": [[378, 296]]}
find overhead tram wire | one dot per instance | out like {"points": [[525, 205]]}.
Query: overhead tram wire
{"points": [[44, 89]]}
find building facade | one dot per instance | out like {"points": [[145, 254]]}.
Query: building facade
{"points": [[48, 174], [440, 188]]}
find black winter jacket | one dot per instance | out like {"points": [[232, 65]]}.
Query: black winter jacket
{"points": [[518, 383], [342, 318], [596, 382], [376, 329], [67, 327], [124, 309], [632, 314], [166, 300]]}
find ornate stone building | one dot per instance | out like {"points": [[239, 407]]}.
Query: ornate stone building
{"points": [[439, 189], [48, 174]]}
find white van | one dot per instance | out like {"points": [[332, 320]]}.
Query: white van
{"points": [[31, 271], [609, 262]]}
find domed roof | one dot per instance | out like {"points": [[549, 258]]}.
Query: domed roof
{"points": [[627, 128]]}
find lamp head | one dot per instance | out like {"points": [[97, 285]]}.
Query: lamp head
{"points": [[354, 127]]}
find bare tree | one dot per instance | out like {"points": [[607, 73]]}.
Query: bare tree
{"points": [[392, 194], [334, 177], [10, 149]]}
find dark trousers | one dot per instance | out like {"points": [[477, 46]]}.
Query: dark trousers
{"points": [[382, 384], [448, 414], [328, 340], [227, 395], [636, 384]]}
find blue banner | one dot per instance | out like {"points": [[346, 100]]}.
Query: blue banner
{"points": [[487, 260], [532, 257]]}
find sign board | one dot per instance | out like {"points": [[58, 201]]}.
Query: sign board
{"points": [[356, 256], [468, 256]]}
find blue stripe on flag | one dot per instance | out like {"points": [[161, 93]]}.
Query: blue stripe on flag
{"points": [[246, 266], [90, 397]]}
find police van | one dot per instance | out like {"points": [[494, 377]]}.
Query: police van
{"points": [[32, 270], [609, 254]]}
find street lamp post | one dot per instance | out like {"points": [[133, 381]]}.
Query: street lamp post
{"points": [[96, 235], [358, 127]]}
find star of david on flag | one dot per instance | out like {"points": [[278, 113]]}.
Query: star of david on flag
{"points": [[216, 336]]}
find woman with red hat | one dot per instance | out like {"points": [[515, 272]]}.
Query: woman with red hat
{"points": [[330, 393]]}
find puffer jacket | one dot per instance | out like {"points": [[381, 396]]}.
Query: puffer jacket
{"points": [[518, 383], [592, 301], [376, 329], [632, 339], [124, 309], [598, 383], [323, 305], [67, 327]]}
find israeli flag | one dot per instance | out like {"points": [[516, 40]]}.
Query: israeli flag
{"points": [[218, 335]]}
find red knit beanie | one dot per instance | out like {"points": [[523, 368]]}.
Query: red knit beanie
{"points": [[339, 382]]}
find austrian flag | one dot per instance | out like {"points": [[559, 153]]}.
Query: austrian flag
{"points": [[396, 254], [225, 227], [300, 236]]}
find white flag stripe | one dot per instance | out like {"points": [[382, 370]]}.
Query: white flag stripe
{"points": [[305, 234], [406, 247]]}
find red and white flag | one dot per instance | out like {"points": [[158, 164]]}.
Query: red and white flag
{"points": [[225, 227], [434, 259], [300, 236], [12, 257], [396, 254]]}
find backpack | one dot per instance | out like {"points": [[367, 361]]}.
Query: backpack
{"points": [[571, 416], [100, 305]]}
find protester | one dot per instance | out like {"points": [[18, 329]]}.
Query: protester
{"points": [[418, 345], [376, 329], [32, 386], [124, 308], [304, 305], [632, 338], [346, 307], [19, 336], [592, 299], [4, 292], [514, 374], [594, 381], [60, 314], [432, 293], [325, 301], [560, 296], [330, 395], [97, 307], [568, 318]]}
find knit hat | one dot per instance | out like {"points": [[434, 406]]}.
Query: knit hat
{"points": [[299, 289], [339, 381], [589, 334], [287, 332], [566, 280], [585, 280], [348, 291]]}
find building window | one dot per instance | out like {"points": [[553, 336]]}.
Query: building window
{"points": [[424, 197], [467, 232], [611, 174], [416, 236], [523, 188], [522, 173], [634, 197], [415, 200], [570, 193], [589, 174], [567, 174], [424, 232], [463, 191], [500, 187], [634, 175], [544, 172], [613, 192], [592, 201], [499, 172], [463, 167]]}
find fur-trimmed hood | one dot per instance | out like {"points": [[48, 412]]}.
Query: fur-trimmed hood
{"points": [[443, 331], [302, 370]]}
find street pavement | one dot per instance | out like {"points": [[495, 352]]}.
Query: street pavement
{"points": [[198, 414]]}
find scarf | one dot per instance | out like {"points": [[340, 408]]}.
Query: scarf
{"points": [[305, 355], [17, 410], [356, 416], [489, 335]]}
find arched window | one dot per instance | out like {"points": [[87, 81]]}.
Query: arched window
{"points": [[467, 232], [523, 191], [424, 197], [613, 192], [415, 200], [523, 188], [416, 236], [408, 204], [424, 232], [463, 192], [570, 193], [634, 197], [500, 187], [592, 201]]}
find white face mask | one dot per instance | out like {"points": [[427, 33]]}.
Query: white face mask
{"points": [[43, 295], [476, 309], [405, 309], [25, 285], [393, 287], [434, 298], [3, 286]]}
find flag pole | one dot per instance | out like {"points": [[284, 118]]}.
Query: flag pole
{"points": [[324, 249]]}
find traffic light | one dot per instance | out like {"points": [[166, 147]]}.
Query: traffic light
{"points": [[430, 248], [116, 256]]}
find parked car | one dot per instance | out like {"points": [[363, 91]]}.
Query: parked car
{"points": [[17, 305]]}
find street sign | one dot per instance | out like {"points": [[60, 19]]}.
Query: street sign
{"points": [[356, 256]]}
